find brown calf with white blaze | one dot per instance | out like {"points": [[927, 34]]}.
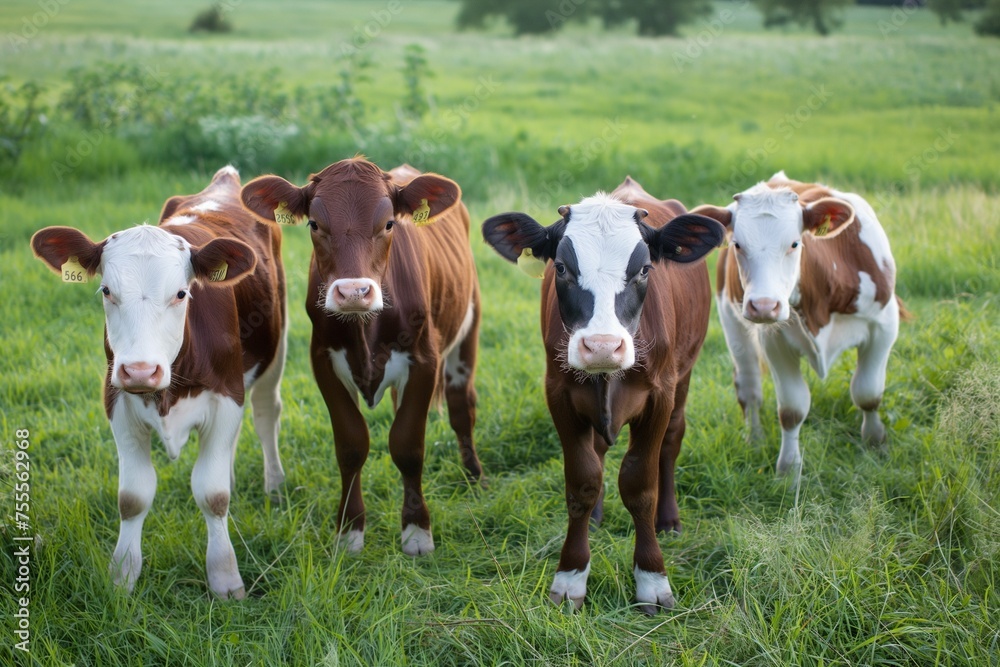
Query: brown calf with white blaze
{"points": [[393, 305], [808, 273], [625, 308], [194, 320]]}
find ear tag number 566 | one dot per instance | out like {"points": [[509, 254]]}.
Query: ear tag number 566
{"points": [[73, 271]]}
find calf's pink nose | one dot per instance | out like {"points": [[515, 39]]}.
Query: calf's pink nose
{"points": [[763, 310], [602, 350], [140, 376], [353, 293]]}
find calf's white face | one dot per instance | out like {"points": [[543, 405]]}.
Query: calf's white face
{"points": [[146, 284], [147, 275], [767, 228], [767, 240], [602, 254]]}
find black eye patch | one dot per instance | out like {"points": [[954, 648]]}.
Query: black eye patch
{"points": [[576, 305], [628, 302]]}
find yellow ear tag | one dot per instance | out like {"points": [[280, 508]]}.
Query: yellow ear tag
{"points": [[219, 274], [530, 264], [823, 229], [422, 214], [282, 215], [73, 271]]}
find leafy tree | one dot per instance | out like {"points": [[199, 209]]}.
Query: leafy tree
{"points": [[947, 10], [526, 16], [823, 15], [654, 17], [989, 22]]}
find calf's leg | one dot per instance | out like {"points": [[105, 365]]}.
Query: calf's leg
{"points": [[266, 401], [351, 443], [793, 402], [584, 481], [210, 484], [637, 481], [868, 382], [460, 392], [406, 445], [742, 345], [136, 490]]}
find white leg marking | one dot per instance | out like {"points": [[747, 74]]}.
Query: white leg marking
{"points": [[652, 590], [353, 540], [570, 585], [265, 398], [868, 383], [793, 401], [210, 485], [743, 349], [136, 489], [417, 541]]}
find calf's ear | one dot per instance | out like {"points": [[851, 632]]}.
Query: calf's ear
{"points": [[827, 217], [426, 197], [722, 215], [223, 262], [274, 198], [686, 238], [510, 234], [56, 245]]}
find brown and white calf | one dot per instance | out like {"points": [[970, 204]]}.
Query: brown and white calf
{"points": [[808, 273], [625, 309], [194, 319], [393, 305]]}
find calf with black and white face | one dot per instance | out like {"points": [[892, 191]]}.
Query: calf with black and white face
{"points": [[602, 254], [618, 267]]}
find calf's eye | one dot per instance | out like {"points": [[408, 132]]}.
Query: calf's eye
{"points": [[795, 244], [645, 270], [560, 268], [181, 294], [388, 225], [312, 225], [105, 291], [737, 246]]}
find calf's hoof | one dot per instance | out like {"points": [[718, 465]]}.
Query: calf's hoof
{"points": [[417, 541], [227, 586], [352, 540], [652, 592], [570, 585]]}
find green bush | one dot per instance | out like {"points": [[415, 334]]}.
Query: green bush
{"points": [[211, 20]]}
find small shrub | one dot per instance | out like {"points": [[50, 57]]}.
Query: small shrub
{"points": [[211, 20]]}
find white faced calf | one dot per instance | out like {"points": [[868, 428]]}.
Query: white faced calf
{"points": [[192, 321], [808, 272]]}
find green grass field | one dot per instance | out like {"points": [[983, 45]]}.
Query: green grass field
{"points": [[876, 560]]}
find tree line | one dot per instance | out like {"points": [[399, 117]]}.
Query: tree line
{"points": [[663, 17]]}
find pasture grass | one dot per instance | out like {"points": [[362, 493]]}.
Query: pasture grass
{"points": [[877, 559]]}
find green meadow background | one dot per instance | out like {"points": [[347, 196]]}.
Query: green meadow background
{"points": [[877, 559]]}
